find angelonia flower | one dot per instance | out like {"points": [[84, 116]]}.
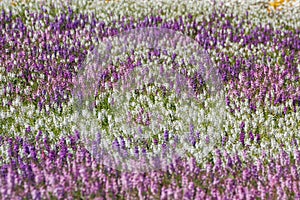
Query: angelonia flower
{"points": [[166, 135], [47, 151], [84, 178]]}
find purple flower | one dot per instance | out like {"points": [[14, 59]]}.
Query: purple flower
{"points": [[193, 141], [242, 138], [123, 145], [77, 135], [227, 101], [26, 148], [191, 128], [251, 135], [166, 135], [144, 151], [38, 136], [136, 151], [242, 125], [224, 139], [28, 129], [207, 140], [116, 144], [98, 138], [257, 137], [229, 162]]}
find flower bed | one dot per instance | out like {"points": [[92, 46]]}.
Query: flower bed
{"points": [[253, 56]]}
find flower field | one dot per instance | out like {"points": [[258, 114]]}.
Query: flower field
{"points": [[149, 99]]}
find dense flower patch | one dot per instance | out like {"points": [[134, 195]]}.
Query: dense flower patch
{"points": [[66, 171], [43, 49]]}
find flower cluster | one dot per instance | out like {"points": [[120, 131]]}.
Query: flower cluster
{"points": [[67, 170], [254, 152]]}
